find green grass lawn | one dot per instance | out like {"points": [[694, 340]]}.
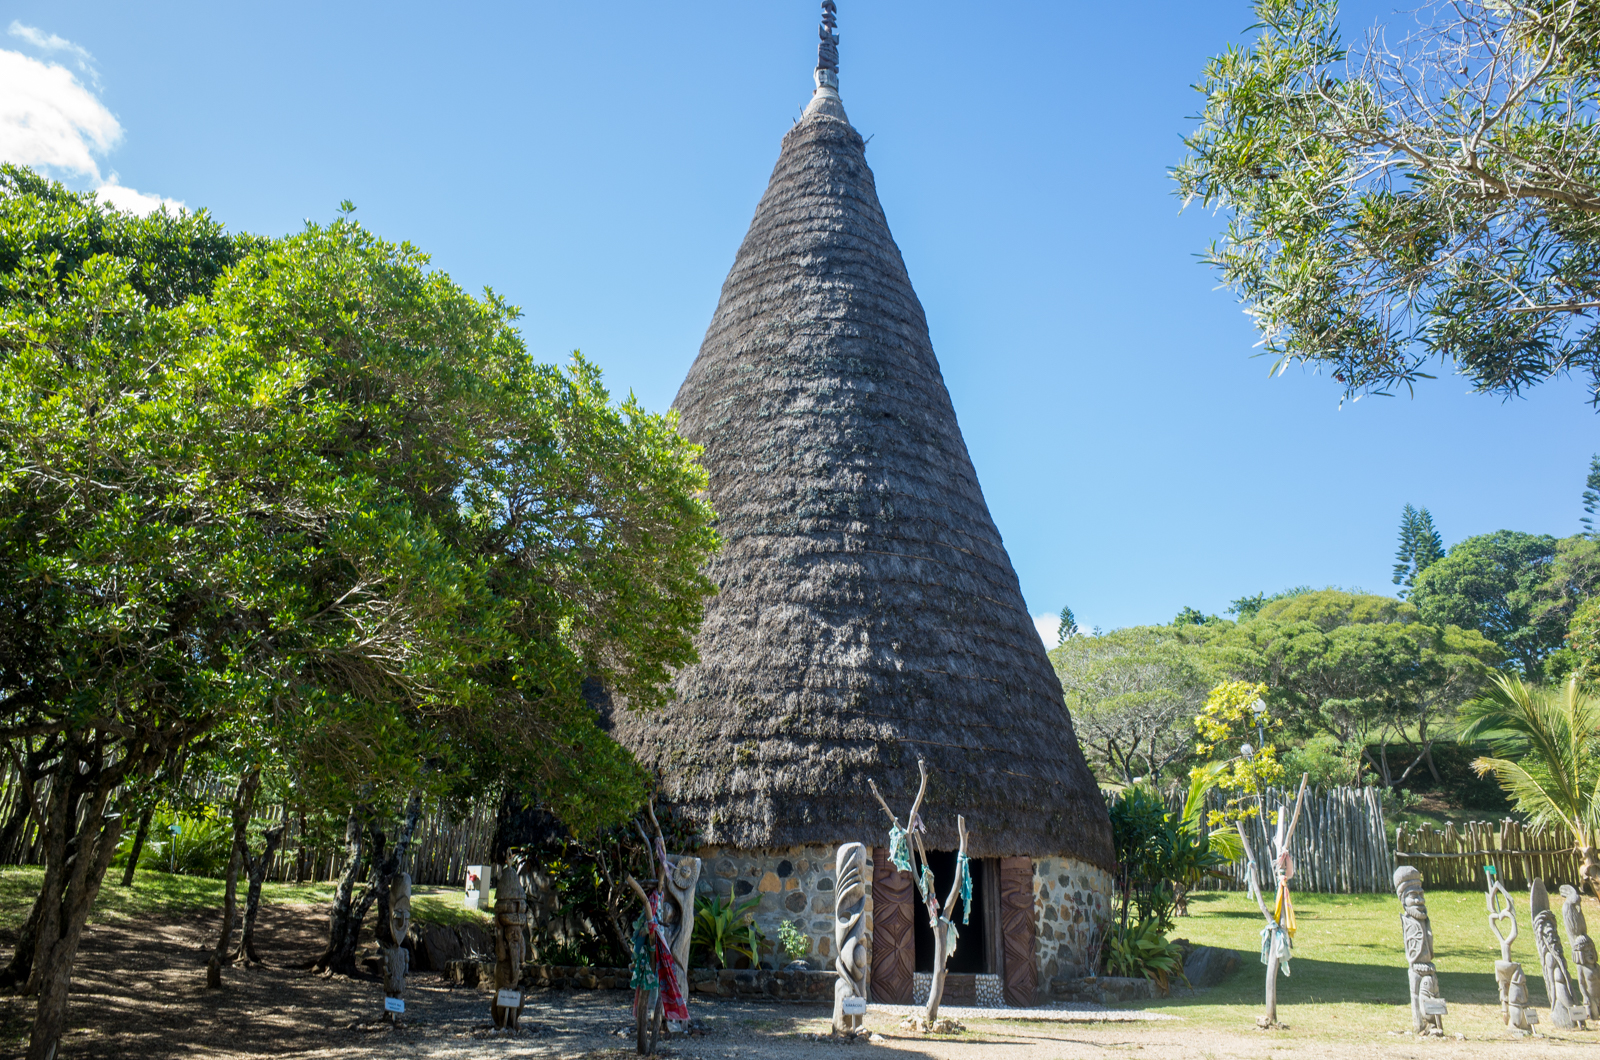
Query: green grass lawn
{"points": [[163, 894], [1349, 969]]}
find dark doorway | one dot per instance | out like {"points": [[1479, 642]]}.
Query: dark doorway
{"points": [[973, 944]]}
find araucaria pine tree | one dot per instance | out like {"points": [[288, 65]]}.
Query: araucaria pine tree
{"points": [[1591, 496], [1420, 547]]}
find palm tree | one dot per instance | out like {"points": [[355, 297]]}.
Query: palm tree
{"points": [[1546, 744]]}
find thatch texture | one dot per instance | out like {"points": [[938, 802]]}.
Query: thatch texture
{"points": [[867, 612]]}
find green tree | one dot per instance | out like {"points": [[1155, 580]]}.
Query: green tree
{"points": [[1068, 627], [1591, 496], [1420, 547], [1247, 607], [319, 482], [1131, 693], [1491, 583], [1393, 205], [1546, 744], [1359, 667]]}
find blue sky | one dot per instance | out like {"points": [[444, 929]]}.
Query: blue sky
{"points": [[597, 164]]}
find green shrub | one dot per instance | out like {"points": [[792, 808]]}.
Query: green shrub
{"points": [[1142, 951], [189, 846], [793, 940], [720, 929]]}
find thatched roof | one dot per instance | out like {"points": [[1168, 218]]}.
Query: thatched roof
{"points": [[867, 612]]}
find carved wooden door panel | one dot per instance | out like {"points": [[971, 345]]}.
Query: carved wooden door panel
{"points": [[894, 944], [1020, 976]]}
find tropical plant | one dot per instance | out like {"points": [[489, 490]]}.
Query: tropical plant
{"points": [[719, 929], [1546, 744], [1142, 950], [793, 940]]}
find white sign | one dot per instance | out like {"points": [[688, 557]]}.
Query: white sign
{"points": [[855, 1006], [1434, 1007], [394, 1004], [509, 999]]}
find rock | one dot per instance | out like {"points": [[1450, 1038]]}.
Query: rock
{"points": [[797, 966], [1209, 966], [1117, 989]]}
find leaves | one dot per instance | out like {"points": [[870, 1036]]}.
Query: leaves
{"points": [[1437, 198]]}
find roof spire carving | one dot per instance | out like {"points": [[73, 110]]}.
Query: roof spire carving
{"points": [[828, 48], [826, 97]]}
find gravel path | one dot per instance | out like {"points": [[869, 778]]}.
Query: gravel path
{"points": [[139, 994]]}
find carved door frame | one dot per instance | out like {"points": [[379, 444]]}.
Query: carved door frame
{"points": [[894, 946]]}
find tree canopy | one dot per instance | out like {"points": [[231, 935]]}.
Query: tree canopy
{"points": [[1491, 583], [309, 485], [1428, 198]]}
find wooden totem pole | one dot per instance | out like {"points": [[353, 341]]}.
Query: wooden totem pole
{"points": [[1565, 1013], [1583, 951], [396, 959], [510, 947], [1277, 938], [850, 938], [1427, 1007], [1515, 1006], [907, 852]]}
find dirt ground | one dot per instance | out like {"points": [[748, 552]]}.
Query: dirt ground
{"points": [[138, 993]]}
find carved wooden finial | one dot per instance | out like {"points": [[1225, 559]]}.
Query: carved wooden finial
{"points": [[828, 46]]}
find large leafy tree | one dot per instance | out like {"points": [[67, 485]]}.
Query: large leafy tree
{"points": [[1434, 197], [1492, 583], [1132, 693], [312, 480], [1359, 667]]}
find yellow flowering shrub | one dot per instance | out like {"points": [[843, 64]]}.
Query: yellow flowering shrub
{"points": [[1238, 740]]}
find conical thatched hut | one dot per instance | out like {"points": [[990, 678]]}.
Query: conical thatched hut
{"points": [[868, 613]]}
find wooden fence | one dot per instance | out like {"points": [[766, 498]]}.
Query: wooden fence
{"points": [[1452, 857], [441, 849], [1339, 846]]}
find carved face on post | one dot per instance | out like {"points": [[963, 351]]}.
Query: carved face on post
{"points": [[400, 907], [1414, 925], [849, 936]]}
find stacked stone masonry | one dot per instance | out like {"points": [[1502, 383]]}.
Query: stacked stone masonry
{"points": [[791, 884], [1071, 906]]}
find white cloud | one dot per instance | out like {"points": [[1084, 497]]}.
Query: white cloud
{"points": [[1049, 627], [50, 42], [131, 201], [49, 121]]}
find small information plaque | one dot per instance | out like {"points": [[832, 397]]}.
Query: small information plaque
{"points": [[1434, 1006], [855, 1006], [508, 999], [394, 1004]]}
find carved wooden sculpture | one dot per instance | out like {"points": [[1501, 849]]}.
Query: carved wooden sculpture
{"points": [[682, 876], [906, 849], [1515, 1006], [396, 959], [1553, 960], [510, 916], [1427, 1007], [1277, 938], [661, 949], [1583, 951], [850, 938]]}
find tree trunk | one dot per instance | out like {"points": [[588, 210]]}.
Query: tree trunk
{"points": [[76, 822], [339, 957], [244, 802], [139, 837], [941, 932], [17, 972], [258, 867]]}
